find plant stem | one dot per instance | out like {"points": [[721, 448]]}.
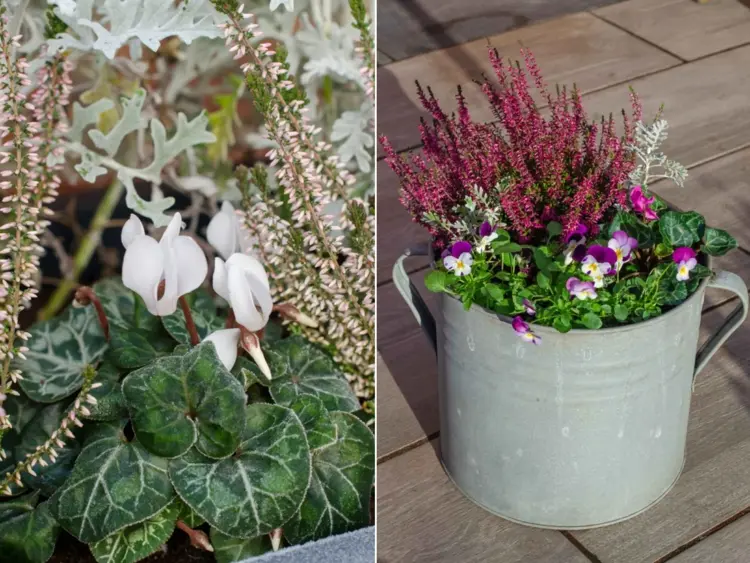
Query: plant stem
{"points": [[197, 537], [85, 296], [85, 251], [189, 323]]}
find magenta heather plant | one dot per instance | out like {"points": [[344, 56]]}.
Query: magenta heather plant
{"points": [[533, 168]]}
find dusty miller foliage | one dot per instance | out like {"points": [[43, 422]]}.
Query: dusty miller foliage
{"points": [[652, 163]]}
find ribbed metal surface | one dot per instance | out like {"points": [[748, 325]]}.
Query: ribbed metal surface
{"points": [[584, 430]]}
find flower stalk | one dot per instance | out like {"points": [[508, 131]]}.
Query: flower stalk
{"points": [[85, 295], [189, 322]]}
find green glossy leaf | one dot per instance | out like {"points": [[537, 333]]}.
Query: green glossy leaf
{"points": [[114, 484], [133, 543], [136, 347], [663, 250], [591, 321], [20, 410], [110, 404], [621, 312], [298, 367], [260, 487], [507, 248], [36, 433], [16, 506], [229, 550], [206, 322], [314, 417], [718, 242], [189, 516], [681, 228], [339, 496], [179, 401], [562, 324], [59, 349], [247, 372], [124, 308], [673, 293], [29, 537], [436, 281]]}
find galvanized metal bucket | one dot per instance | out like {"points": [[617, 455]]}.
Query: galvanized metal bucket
{"points": [[586, 429]]}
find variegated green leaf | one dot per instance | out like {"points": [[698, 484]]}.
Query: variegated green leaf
{"points": [[36, 433], [298, 367], [189, 516], [136, 347], [135, 542], [59, 349], [229, 550], [247, 372], [203, 311], [17, 506], [114, 484], [110, 404], [315, 418], [179, 401], [342, 480], [124, 308], [257, 489], [29, 537]]}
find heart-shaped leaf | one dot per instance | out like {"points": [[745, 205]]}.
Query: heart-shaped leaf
{"points": [[718, 242], [114, 484], [179, 401], [229, 550], [17, 506], [136, 347], [298, 367], [339, 496], [315, 419], [681, 228], [247, 372], [257, 489], [110, 404], [189, 516], [29, 537], [140, 540], [124, 308], [59, 349], [36, 433]]}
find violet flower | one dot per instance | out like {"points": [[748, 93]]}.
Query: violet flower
{"points": [[488, 234], [623, 245], [684, 257], [459, 248], [576, 241], [579, 233], [642, 204], [529, 307], [581, 289], [599, 261], [524, 331], [461, 266]]}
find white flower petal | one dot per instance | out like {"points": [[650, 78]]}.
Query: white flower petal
{"points": [[172, 230], [250, 264], [192, 265], [143, 268], [131, 229], [241, 299], [222, 232], [220, 280], [225, 341]]}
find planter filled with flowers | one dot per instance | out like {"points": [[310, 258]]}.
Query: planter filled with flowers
{"points": [[571, 302]]}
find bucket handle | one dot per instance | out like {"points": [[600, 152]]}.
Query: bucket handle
{"points": [[722, 280], [731, 282], [411, 294]]}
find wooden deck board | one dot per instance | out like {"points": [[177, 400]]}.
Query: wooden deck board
{"points": [[423, 518], [685, 28], [728, 545], [580, 48]]}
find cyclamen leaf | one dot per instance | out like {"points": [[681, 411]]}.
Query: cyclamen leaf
{"points": [[179, 401], [110, 404], [229, 550], [30, 537], [59, 350], [136, 347], [339, 496], [124, 308], [247, 372], [205, 323], [718, 242], [260, 487], [133, 543], [188, 515], [114, 484], [315, 419], [681, 228], [18, 506]]}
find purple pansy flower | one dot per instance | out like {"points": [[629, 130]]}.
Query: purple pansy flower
{"points": [[576, 241], [529, 306], [459, 248], [642, 204], [684, 257], [488, 234], [524, 331], [599, 261], [623, 245], [485, 229], [578, 233], [581, 289]]}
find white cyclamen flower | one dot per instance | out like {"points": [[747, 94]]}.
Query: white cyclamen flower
{"points": [[176, 260], [288, 4], [225, 233], [226, 342], [243, 282]]}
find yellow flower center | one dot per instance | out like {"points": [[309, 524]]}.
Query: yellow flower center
{"points": [[594, 267], [460, 265], [683, 270]]}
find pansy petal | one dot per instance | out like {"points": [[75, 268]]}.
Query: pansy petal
{"points": [[192, 265], [142, 269], [220, 281], [450, 262], [225, 341], [131, 229]]}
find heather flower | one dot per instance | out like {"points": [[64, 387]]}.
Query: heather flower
{"points": [[599, 262], [461, 266], [225, 233], [623, 245], [684, 257], [243, 283], [225, 341], [176, 260], [581, 289], [642, 204], [524, 331], [529, 307]]}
